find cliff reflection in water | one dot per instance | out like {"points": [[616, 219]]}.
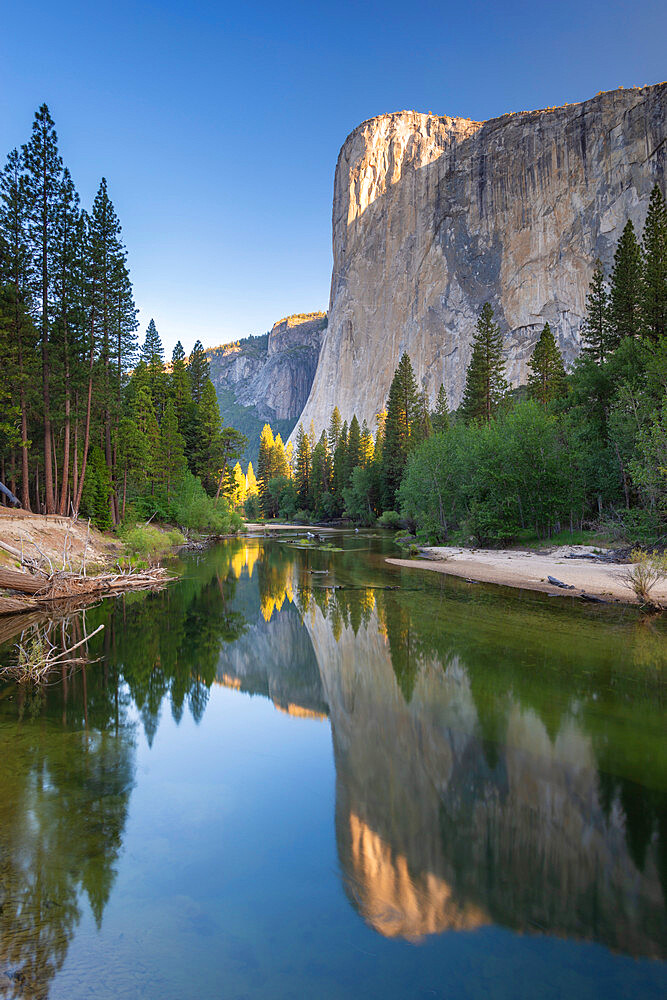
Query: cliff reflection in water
{"points": [[495, 757], [488, 770]]}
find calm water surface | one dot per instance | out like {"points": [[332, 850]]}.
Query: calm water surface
{"points": [[279, 782]]}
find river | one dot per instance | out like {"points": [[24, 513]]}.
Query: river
{"points": [[300, 772]]}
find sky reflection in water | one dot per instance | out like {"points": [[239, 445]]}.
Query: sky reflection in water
{"points": [[462, 794]]}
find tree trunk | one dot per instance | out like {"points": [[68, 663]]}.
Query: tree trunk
{"points": [[75, 470], [86, 435], [62, 509]]}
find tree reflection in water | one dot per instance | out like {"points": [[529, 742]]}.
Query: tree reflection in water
{"points": [[495, 762], [495, 757], [64, 799]]}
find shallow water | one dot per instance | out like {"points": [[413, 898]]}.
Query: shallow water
{"points": [[369, 782]]}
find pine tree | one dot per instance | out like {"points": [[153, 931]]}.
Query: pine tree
{"points": [[440, 415], [111, 284], [143, 415], [208, 455], [625, 289], [43, 167], [133, 458], [303, 468], [21, 339], [321, 472], [199, 370], [400, 428], [66, 259], [152, 354], [171, 456], [485, 382], [596, 339], [340, 470], [654, 259], [546, 380], [335, 427], [353, 447], [97, 490]]}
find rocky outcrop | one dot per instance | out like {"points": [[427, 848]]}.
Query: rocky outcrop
{"points": [[433, 216], [268, 378]]}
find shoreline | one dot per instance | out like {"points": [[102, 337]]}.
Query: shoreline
{"points": [[527, 570]]}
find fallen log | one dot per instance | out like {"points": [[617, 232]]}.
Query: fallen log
{"points": [[12, 579]]}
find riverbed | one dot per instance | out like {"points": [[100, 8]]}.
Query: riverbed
{"points": [[303, 772]]}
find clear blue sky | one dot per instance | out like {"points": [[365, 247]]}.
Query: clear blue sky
{"points": [[218, 125]]}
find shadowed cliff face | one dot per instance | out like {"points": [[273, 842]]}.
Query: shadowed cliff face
{"points": [[434, 216], [268, 378]]}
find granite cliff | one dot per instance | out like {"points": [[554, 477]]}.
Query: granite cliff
{"points": [[268, 378], [433, 216]]}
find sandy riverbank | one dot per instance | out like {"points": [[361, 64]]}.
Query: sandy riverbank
{"points": [[530, 570]]}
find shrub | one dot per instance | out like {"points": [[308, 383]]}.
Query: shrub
{"points": [[192, 507], [389, 519], [147, 541], [648, 569]]}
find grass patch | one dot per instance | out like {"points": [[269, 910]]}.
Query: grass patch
{"points": [[145, 543]]}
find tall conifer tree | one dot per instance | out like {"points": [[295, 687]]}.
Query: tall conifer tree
{"points": [[485, 378], [20, 342], [171, 456], [335, 427], [596, 339], [199, 370], [400, 428], [546, 379], [43, 166], [353, 446], [440, 415], [303, 467], [654, 259], [625, 289], [152, 354]]}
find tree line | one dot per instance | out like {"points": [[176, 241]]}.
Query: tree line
{"points": [[87, 421], [560, 451]]}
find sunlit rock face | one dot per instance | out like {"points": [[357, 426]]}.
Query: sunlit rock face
{"points": [[434, 216], [438, 829]]}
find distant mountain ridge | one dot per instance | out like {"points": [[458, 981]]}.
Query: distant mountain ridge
{"points": [[268, 378]]}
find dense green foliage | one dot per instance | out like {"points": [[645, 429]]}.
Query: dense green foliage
{"points": [[88, 422]]}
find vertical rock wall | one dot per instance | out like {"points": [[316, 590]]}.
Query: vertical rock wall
{"points": [[433, 216]]}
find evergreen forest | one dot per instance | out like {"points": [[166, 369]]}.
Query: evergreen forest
{"points": [[91, 422]]}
